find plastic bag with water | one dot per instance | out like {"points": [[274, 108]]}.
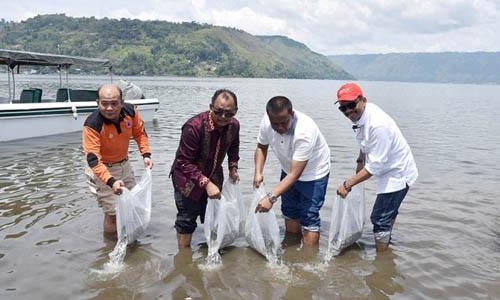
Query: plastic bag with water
{"points": [[347, 221], [262, 230], [224, 220], [133, 211]]}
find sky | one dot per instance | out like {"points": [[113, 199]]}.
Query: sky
{"points": [[328, 27]]}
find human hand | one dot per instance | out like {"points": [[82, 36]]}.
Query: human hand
{"points": [[233, 174], [264, 205], [117, 187], [342, 191], [213, 191], [148, 163], [257, 180]]}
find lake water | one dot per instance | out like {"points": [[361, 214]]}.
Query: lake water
{"points": [[446, 242]]}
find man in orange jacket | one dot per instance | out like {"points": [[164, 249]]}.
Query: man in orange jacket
{"points": [[105, 140]]}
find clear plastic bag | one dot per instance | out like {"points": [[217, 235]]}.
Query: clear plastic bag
{"points": [[224, 220], [133, 211], [347, 221], [261, 229]]}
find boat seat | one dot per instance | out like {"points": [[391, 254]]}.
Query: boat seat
{"points": [[62, 95], [83, 95], [32, 95], [76, 95]]}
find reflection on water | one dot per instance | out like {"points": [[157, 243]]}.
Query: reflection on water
{"points": [[385, 278], [446, 242], [184, 279]]}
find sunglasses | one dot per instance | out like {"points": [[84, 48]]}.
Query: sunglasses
{"points": [[224, 113], [350, 105]]}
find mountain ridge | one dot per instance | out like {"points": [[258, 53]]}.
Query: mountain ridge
{"points": [[165, 48], [479, 67]]}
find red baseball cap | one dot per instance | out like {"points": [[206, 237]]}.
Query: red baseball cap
{"points": [[349, 92]]}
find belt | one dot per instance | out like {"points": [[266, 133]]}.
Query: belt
{"points": [[116, 163]]}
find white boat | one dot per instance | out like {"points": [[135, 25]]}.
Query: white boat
{"points": [[46, 117]]}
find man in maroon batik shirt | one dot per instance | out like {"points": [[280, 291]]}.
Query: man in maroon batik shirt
{"points": [[197, 169]]}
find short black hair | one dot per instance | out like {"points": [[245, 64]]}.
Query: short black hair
{"points": [[226, 93], [277, 104]]}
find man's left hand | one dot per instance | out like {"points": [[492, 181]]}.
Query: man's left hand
{"points": [[341, 191], [233, 174]]}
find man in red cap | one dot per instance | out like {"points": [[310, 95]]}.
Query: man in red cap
{"points": [[384, 154]]}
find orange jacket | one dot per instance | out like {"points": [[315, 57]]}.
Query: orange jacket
{"points": [[106, 142]]}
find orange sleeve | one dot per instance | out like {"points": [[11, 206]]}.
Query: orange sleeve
{"points": [[140, 135], [91, 142]]}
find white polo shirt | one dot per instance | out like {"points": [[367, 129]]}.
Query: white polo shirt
{"points": [[388, 156], [303, 142]]}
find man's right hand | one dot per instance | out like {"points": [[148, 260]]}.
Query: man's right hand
{"points": [[213, 191], [264, 205]]}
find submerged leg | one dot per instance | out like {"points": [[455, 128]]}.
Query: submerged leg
{"points": [[311, 238], [293, 226], [381, 247], [184, 240], [293, 233], [291, 239], [109, 224]]}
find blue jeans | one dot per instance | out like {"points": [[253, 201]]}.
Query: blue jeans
{"points": [[385, 210], [303, 201]]}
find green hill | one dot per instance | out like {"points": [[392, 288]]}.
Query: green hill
{"points": [[165, 48], [456, 67]]}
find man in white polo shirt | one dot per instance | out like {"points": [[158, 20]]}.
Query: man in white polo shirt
{"points": [[384, 153], [304, 156]]}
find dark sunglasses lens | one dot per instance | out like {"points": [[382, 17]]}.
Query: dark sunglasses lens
{"points": [[345, 107], [223, 113]]}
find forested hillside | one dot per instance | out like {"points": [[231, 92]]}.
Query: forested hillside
{"points": [[164, 48]]}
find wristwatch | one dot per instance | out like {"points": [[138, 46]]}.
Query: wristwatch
{"points": [[272, 198]]}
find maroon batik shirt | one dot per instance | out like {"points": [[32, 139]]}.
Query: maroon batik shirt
{"points": [[202, 149]]}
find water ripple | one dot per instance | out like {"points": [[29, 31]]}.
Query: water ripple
{"points": [[446, 241]]}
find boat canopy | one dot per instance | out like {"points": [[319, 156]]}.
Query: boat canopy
{"points": [[13, 58]]}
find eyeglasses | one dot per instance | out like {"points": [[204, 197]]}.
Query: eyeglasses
{"points": [[350, 105], [224, 113]]}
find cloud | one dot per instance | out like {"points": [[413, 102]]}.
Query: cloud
{"points": [[325, 26], [244, 18]]}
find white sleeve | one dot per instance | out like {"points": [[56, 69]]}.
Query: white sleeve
{"points": [[263, 136]]}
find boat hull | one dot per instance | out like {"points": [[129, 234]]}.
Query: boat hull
{"points": [[23, 120]]}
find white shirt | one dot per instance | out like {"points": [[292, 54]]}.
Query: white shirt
{"points": [[388, 156], [303, 142]]}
